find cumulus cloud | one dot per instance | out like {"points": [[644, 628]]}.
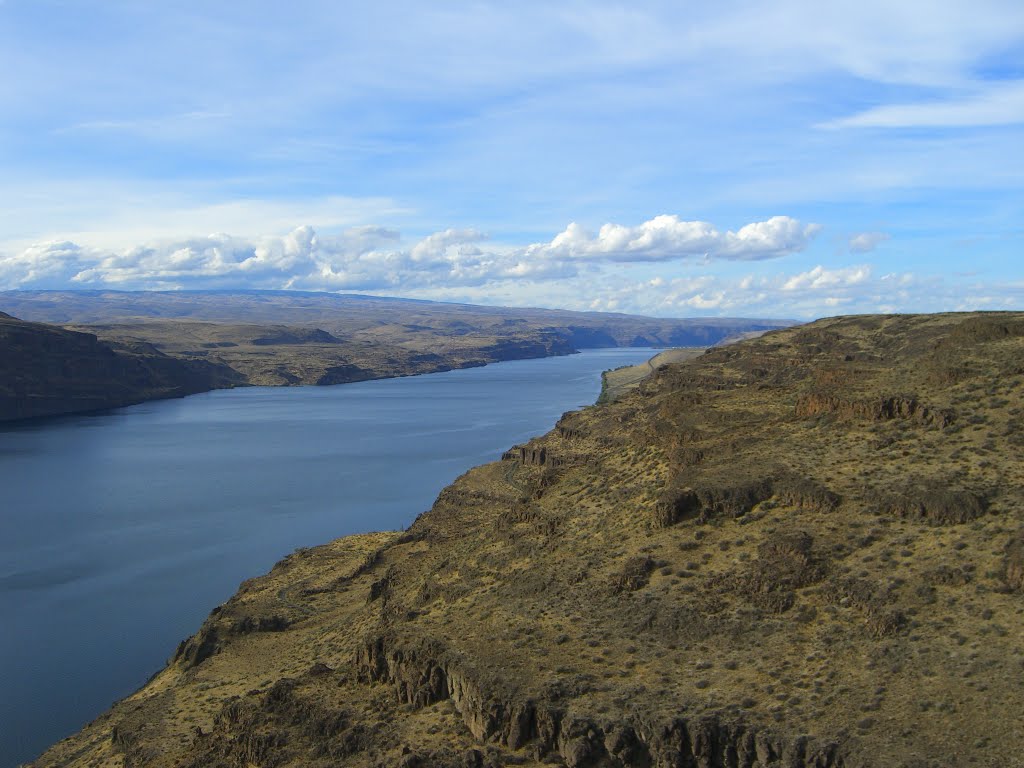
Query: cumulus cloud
{"points": [[575, 270], [794, 294], [54, 263], [440, 244], [375, 258], [819, 277], [203, 261], [867, 241], [666, 238]]}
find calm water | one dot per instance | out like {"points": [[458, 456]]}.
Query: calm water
{"points": [[119, 532]]}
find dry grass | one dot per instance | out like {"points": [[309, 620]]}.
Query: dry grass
{"points": [[792, 598]]}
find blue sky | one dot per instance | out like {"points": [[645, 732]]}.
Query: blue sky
{"points": [[790, 158]]}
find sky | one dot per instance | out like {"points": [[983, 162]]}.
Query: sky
{"points": [[790, 158]]}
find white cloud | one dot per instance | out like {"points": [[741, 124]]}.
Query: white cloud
{"points": [[666, 238], [441, 244], [53, 263], [788, 294], [1000, 103], [374, 258], [867, 241], [820, 277], [574, 270], [117, 216], [803, 295]]}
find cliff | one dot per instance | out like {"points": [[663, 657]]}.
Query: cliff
{"points": [[46, 371], [801, 550]]}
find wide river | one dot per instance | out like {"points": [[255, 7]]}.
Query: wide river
{"points": [[119, 532]]}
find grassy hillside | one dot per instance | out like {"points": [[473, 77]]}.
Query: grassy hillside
{"points": [[801, 550]]}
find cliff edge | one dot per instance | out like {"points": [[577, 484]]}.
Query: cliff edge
{"points": [[46, 371]]}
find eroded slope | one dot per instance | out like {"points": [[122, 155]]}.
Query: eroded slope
{"points": [[804, 550]]}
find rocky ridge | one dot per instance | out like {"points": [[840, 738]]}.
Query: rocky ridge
{"points": [[704, 573]]}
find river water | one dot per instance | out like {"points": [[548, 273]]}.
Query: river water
{"points": [[120, 531]]}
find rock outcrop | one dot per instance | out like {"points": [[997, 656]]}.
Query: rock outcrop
{"points": [[421, 677], [533, 456], [882, 409], [935, 504]]}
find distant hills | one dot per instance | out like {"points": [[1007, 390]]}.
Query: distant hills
{"points": [[347, 314], [192, 341]]}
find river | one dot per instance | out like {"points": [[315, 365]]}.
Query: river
{"points": [[120, 531]]}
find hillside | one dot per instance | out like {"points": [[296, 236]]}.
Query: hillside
{"points": [[615, 383], [45, 371], [802, 550]]}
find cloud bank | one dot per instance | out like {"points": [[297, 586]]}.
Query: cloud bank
{"points": [[375, 258], [666, 238], [664, 266]]}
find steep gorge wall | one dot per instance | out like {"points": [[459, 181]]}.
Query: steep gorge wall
{"points": [[47, 371]]}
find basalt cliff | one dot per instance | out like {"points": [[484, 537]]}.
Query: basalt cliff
{"points": [[803, 550], [46, 371]]}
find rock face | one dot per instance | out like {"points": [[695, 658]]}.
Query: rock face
{"points": [[937, 505], [733, 496], [714, 578], [530, 456], [423, 677], [880, 409], [46, 371]]}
